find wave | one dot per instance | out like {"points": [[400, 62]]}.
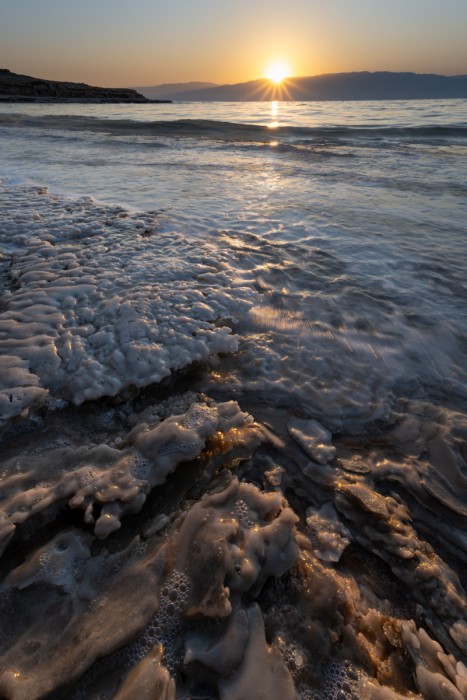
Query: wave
{"points": [[230, 131]]}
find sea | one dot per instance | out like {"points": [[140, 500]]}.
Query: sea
{"points": [[233, 400]]}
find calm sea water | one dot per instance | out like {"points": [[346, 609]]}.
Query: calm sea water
{"points": [[330, 237]]}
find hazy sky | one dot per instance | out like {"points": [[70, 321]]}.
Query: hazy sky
{"points": [[146, 42]]}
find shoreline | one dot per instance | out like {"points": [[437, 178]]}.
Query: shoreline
{"points": [[25, 99]]}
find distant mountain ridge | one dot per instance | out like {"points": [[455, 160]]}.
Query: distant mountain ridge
{"points": [[381, 85], [166, 90], [25, 88]]}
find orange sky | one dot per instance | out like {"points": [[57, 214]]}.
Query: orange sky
{"points": [[146, 42]]}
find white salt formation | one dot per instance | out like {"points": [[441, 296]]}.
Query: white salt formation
{"points": [[99, 300]]}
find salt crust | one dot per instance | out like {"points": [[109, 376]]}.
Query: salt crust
{"points": [[220, 654], [208, 536], [441, 434], [241, 536], [57, 622], [115, 481], [211, 536], [438, 674], [329, 535], [239, 555], [263, 668], [100, 300], [383, 525], [57, 563], [148, 680], [313, 438]]}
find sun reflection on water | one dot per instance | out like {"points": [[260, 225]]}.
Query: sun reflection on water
{"points": [[274, 114]]}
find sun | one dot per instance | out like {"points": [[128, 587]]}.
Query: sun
{"points": [[277, 72]]}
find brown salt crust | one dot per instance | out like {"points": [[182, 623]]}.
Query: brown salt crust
{"points": [[114, 481], [363, 628], [188, 553], [222, 652], [383, 526], [83, 613], [369, 507], [148, 680], [263, 671], [372, 690], [211, 537], [309, 618], [329, 535], [56, 632], [438, 674], [333, 612], [440, 433]]}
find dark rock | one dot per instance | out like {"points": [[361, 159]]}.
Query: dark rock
{"points": [[24, 88]]}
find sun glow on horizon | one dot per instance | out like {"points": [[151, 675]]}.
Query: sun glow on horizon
{"points": [[277, 72]]}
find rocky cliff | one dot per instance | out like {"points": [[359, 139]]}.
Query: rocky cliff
{"points": [[24, 88]]}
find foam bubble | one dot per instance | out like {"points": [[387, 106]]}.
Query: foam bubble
{"points": [[140, 467], [166, 624], [341, 681]]}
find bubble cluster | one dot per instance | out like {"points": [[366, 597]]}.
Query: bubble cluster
{"points": [[140, 467], [197, 415], [166, 625], [44, 484], [57, 566], [293, 655], [88, 477], [181, 447], [341, 682], [164, 628], [243, 514]]}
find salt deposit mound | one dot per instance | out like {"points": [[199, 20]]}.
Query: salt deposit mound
{"points": [[97, 300]]}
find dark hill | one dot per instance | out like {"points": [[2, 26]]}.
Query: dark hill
{"points": [[338, 86], [24, 88], [166, 90]]}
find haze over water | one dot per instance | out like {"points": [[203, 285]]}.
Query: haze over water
{"points": [[306, 260]]}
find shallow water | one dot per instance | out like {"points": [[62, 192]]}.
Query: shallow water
{"points": [[306, 261]]}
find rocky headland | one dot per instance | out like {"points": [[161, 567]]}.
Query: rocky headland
{"points": [[24, 88]]}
